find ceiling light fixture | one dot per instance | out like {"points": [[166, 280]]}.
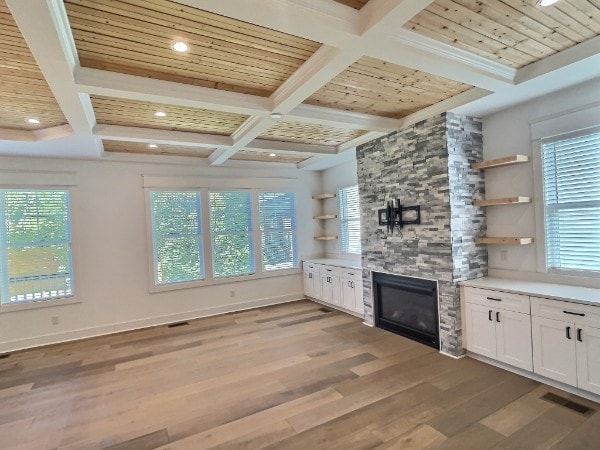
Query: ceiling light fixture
{"points": [[152, 146], [546, 2], [33, 121], [160, 114], [272, 155], [276, 115], [180, 47]]}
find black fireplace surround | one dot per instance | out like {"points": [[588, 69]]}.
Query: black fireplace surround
{"points": [[407, 306]]}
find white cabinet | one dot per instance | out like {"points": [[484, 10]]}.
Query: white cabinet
{"points": [[330, 288], [352, 290], [498, 326], [337, 286], [565, 347], [312, 280]]}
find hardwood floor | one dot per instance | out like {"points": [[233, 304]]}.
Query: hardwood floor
{"points": [[293, 376]]}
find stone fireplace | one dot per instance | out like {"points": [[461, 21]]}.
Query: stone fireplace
{"points": [[426, 164]]}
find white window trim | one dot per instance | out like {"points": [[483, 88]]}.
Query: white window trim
{"points": [[209, 279], [61, 181], [340, 226], [574, 123]]}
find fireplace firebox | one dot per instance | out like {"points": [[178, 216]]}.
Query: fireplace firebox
{"points": [[407, 306]]}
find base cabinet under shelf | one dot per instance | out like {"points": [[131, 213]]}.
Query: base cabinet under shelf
{"points": [[567, 352], [339, 287]]}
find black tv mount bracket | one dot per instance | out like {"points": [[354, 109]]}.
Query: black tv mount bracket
{"points": [[396, 216]]}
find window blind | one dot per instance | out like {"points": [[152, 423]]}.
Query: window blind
{"points": [[350, 219], [35, 245], [177, 236], [571, 171], [277, 214], [231, 233]]}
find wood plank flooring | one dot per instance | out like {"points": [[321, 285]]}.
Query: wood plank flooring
{"points": [[293, 376]]}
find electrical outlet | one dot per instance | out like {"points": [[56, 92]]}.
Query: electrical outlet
{"points": [[503, 254], [55, 320], [231, 294]]}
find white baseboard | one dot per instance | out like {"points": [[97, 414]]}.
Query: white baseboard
{"points": [[73, 335], [536, 377], [452, 356]]}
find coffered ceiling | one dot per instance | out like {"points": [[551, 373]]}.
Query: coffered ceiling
{"points": [[295, 81]]}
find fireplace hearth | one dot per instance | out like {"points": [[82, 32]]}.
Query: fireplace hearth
{"points": [[407, 306]]}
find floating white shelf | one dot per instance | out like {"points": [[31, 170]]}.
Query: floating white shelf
{"points": [[326, 216], [326, 238], [502, 201], [504, 240], [323, 196], [507, 161]]}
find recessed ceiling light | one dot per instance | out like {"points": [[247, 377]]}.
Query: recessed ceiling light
{"points": [[272, 155], [160, 114], [152, 146], [546, 2], [276, 115], [33, 121], [180, 47]]}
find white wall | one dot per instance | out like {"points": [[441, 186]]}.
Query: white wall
{"points": [[109, 238], [509, 132], [333, 179]]}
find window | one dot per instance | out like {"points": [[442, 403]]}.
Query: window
{"points": [[35, 245], [571, 176], [277, 230], [231, 233], [350, 219], [177, 236]]}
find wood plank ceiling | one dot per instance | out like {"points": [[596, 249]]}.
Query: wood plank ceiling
{"points": [[513, 32], [24, 93], [261, 67]]}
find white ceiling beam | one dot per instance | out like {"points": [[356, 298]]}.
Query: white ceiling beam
{"points": [[445, 105], [320, 115], [133, 87], [166, 137], [389, 13], [46, 134], [324, 21], [322, 162], [572, 55], [46, 30], [11, 134], [298, 147], [360, 140], [409, 49]]}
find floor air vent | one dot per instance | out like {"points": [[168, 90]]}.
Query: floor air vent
{"points": [[577, 407], [325, 310], [178, 324], [4, 356]]}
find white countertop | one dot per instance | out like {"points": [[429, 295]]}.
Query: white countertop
{"points": [[564, 292], [350, 264]]}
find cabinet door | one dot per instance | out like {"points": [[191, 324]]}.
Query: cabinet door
{"points": [[359, 306], [326, 289], [588, 358], [513, 339], [554, 349], [309, 283], [316, 279], [336, 290], [481, 330], [348, 294]]}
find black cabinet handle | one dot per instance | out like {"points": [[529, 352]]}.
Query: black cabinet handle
{"points": [[352, 284], [568, 332], [497, 316], [490, 316], [310, 275], [495, 299], [579, 335], [574, 313]]}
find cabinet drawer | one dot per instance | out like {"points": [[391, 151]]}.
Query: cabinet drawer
{"points": [[498, 299], [330, 270], [311, 266], [566, 311], [351, 274]]}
